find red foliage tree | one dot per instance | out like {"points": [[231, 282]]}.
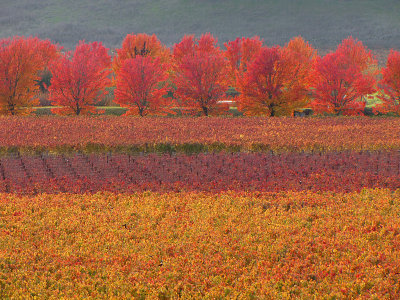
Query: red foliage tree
{"points": [[261, 89], [140, 45], [80, 79], [357, 54], [278, 80], [298, 60], [21, 61], [343, 78], [141, 85], [240, 53], [390, 85], [200, 73]]}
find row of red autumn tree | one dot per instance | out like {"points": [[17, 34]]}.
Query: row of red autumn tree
{"points": [[270, 81]]}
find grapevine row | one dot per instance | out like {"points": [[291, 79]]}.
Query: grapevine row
{"points": [[124, 134], [79, 173]]}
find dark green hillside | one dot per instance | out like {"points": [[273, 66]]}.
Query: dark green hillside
{"points": [[323, 22]]}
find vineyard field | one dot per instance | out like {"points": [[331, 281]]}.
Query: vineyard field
{"points": [[197, 245], [199, 208], [126, 134], [80, 173]]}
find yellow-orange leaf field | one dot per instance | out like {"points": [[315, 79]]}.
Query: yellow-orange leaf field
{"points": [[199, 208]]}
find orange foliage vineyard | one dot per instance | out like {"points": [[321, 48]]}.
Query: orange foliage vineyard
{"points": [[197, 245]]}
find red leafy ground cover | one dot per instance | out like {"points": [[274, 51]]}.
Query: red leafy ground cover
{"points": [[281, 134], [79, 173]]}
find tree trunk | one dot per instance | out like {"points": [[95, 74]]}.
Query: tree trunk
{"points": [[272, 110], [78, 109], [11, 108], [205, 110]]}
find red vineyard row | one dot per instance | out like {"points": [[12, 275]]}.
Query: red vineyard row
{"points": [[79, 173], [275, 133]]}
